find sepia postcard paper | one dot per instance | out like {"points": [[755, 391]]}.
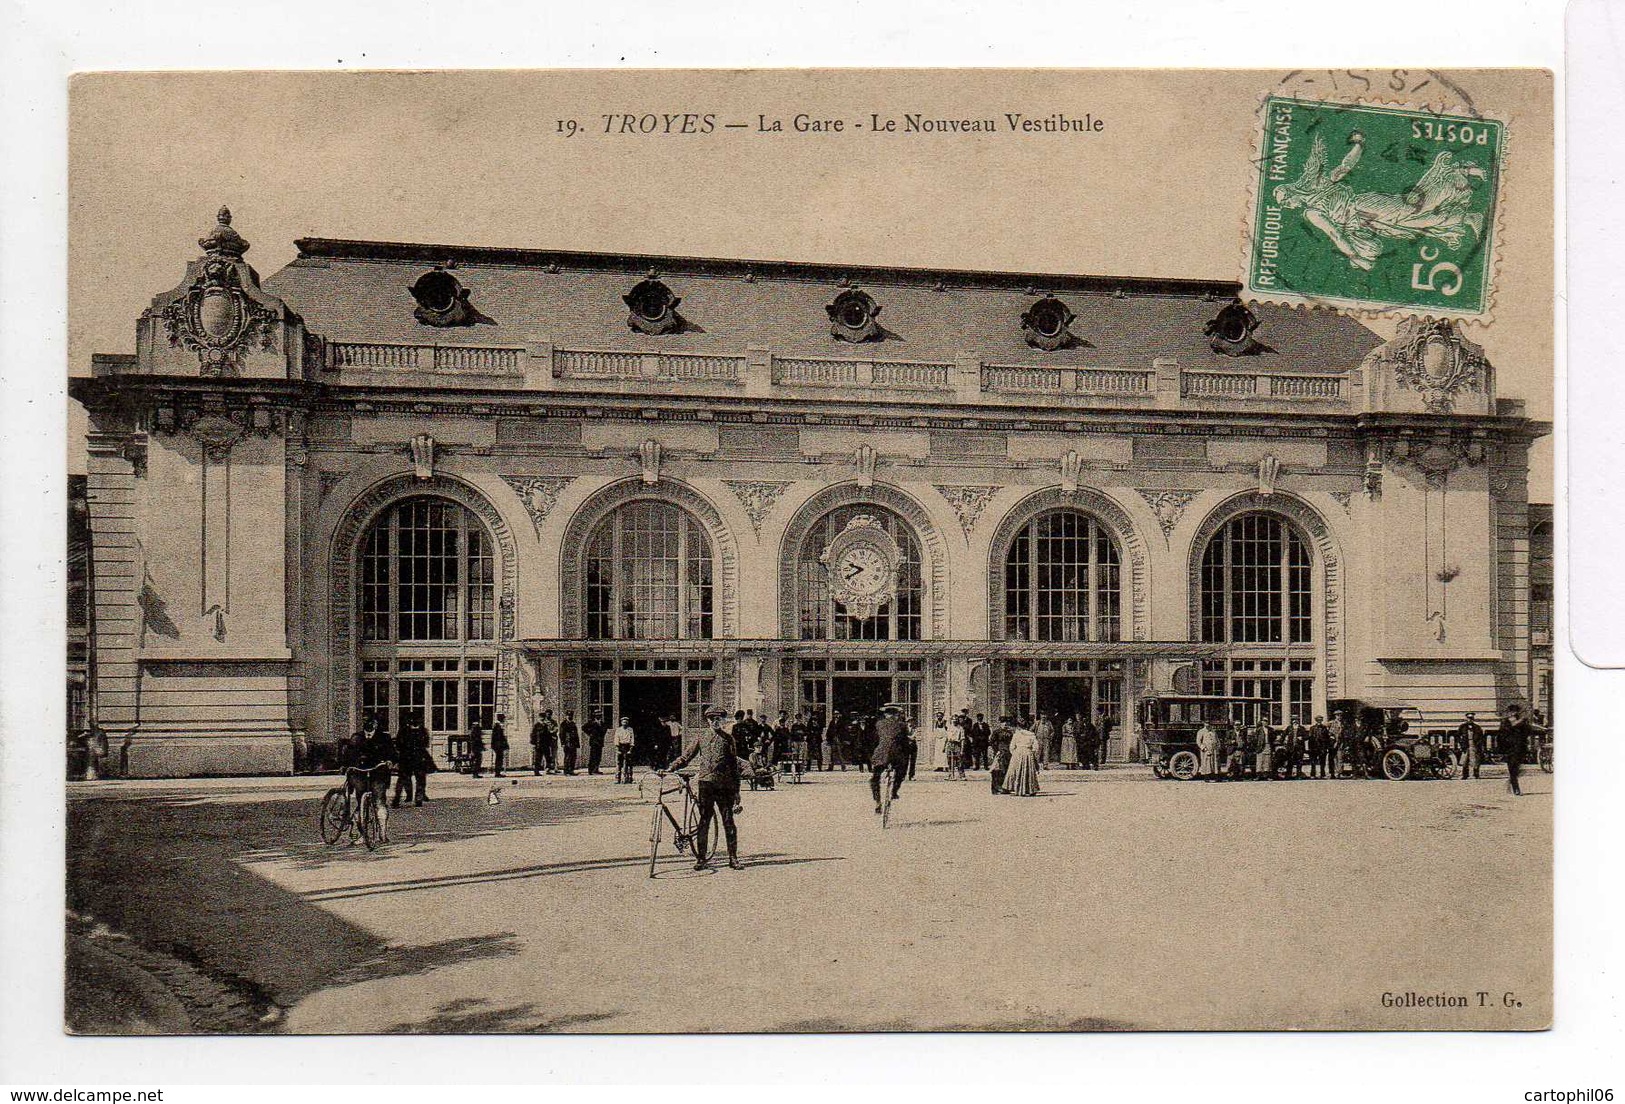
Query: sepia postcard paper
{"points": [[810, 551]]}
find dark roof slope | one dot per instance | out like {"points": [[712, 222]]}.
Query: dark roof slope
{"points": [[357, 291]]}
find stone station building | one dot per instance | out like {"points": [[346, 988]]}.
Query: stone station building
{"points": [[469, 481]]}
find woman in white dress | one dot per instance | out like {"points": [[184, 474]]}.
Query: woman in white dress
{"points": [[1021, 779], [1207, 751], [1069, 744], [939, 744]]}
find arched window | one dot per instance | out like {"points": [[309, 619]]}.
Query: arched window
{"points": [[427, 613], [1063, 580], [1257, 597], [1255, 583], [649, 571], [822, 617]]}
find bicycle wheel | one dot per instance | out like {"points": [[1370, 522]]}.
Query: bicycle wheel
{"points": [[331, 820], [654, 836], [885, 799], [372, 834]]}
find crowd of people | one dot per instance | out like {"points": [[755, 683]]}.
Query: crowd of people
{"points": [[1349, 747]]}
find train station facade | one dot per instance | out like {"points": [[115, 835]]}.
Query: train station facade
{"points": [[464, 481]]}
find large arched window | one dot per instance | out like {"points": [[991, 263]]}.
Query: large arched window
{"points": [[1063, 580], [649, 571], [824, 618], [427, 616], [1257, 597]]}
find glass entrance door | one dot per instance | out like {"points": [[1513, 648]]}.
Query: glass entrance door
{"points": [[860, 694]]}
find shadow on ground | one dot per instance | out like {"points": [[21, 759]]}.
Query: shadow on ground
{"points": [[166, 869]]}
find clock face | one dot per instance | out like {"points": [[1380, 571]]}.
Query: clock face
{"points": [[863, 570]]}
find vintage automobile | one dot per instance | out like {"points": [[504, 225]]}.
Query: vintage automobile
{"points": [[1407, 750], [1169, 723]]}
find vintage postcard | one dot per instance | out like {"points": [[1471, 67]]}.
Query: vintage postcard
{"points": [[810, 551]]}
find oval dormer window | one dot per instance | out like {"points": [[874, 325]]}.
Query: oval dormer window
{"points": [[442, 300], [1047, 324], [653, 308], [852, 316]]}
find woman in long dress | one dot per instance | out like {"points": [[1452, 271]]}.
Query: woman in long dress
{"points": [[1207, 750], [1021, 779], [1069, 744]]}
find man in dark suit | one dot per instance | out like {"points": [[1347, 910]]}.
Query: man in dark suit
{"points": [[476, 747], [714, 763], [542, 737], [981, 738], [1089, 745], [593, 729], [1319, 746], [1103, 727], [893, 748], [1470, 747], [1297, 743], [413, 748], [1514, 740], [569, 741], [499, 746]]}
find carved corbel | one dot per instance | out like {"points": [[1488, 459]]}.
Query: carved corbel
{"points": [[1269, 471], [216, 433], [1372, 480], [423, 456], [1071, 470], [865, 459], [649, 454]]}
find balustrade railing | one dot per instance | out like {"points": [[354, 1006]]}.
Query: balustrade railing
{"points": [[384, 357]]}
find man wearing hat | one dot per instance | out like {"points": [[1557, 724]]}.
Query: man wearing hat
{"points": [[715, 770], [893, 748], [1469, 747]]}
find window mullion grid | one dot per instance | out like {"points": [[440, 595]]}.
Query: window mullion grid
{"points": [[616, 582], [682, 576], [1092, 575]]}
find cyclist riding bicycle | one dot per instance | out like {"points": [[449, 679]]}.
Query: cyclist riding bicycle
{"points": [[893, 744], [367, 767]]}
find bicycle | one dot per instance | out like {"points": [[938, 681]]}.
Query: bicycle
{"points": [[338, 813], [886, 777], [685, 830]]}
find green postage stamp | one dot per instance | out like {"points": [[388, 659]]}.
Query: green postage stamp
{"points": [[1377, 207]]}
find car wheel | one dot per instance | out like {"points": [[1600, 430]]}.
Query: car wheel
{"points": [[1183, 765], [1159, 770], [1396, 765], [1445, 767]]}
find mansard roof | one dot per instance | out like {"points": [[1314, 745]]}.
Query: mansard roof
{"points": [[358, 291]]}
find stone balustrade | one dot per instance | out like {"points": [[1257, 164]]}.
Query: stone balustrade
{"points": [[1164, 385]]}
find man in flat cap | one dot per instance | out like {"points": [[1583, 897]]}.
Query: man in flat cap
{"points": [[714, 766]]}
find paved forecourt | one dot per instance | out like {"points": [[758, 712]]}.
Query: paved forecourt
{"points": [[1110, 901]]}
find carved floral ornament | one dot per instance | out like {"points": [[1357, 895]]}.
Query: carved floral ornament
{"points": [[1431, 357], [216, 317], [968, 502], [539, 494], [1169, 506], [218, 427], [1435, 457], [757, 496]]}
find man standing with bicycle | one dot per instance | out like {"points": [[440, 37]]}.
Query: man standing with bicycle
{"points": [[715, 766], [893, 748]]}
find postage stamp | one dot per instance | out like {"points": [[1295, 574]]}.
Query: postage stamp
{"points": [[1377, 207]]}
